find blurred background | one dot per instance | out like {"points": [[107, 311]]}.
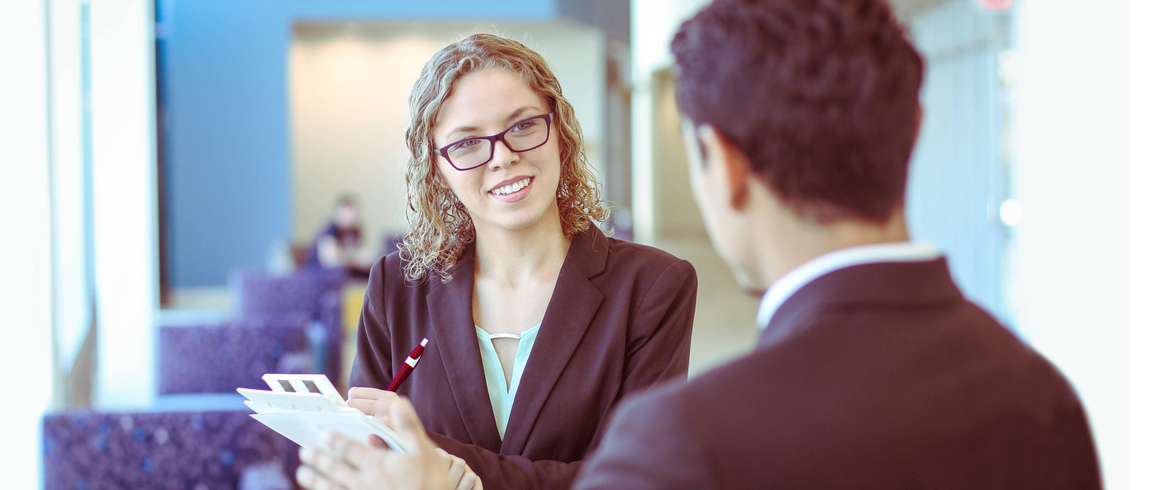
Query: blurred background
{"points": [[193, 187]]}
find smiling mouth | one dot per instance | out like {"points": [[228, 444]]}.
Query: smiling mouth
{"points": [[512, 187]]}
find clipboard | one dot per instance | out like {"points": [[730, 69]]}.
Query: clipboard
{"points": [[301, 406]]}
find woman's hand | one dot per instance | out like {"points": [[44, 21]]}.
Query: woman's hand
{"points": [[459, 472], [377, 404], [354, 466], [373, 402]]}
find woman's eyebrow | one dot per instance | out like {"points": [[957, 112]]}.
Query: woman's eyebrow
{"points": [[518, 112], [468, 129], [461, 129]]}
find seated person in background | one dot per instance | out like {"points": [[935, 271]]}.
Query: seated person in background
{"points": [[872, 370], [340, 243], [538, 323]]}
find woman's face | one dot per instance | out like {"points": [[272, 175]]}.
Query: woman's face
{"points": [[513, 191]]}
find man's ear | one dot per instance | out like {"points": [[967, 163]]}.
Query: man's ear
{"points": [[730, 161]]}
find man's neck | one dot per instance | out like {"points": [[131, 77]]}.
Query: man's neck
{"points": [[803, 240]]}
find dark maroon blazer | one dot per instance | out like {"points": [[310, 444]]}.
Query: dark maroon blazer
{"points": [[618, 322], [872, 376]]}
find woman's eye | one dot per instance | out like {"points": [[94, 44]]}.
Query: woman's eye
{"points": [[467, 144], [525, 125]]}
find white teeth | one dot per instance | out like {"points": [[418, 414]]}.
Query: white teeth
{"points": [[512, 187]]}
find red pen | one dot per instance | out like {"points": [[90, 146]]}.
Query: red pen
{"points": [[407, 367]]}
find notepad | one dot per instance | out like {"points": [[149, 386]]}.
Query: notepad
{"points": [[302, 406]]}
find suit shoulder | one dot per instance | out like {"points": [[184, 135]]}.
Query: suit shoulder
{"points": [[630, 254], [689, 395], [1020, 363], [392, 264]]}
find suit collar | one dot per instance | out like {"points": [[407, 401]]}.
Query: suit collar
{"points": [[449, 307], [588, 252], [573, 305], [839, 259], [907, 283]]}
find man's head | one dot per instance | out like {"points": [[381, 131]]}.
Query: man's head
{"points": [[818, 100]]}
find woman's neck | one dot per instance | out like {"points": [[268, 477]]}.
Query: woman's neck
{"points": [[517, 257]]}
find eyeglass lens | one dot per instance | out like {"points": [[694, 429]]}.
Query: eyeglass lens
{"points": [[525, 135]]}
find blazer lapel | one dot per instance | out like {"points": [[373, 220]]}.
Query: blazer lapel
{"points": [[573, 305], [449, 307]]}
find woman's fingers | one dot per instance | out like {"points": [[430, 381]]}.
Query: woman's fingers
{"points": [[470, 481], [459, 472], [374, 408], [368, 393], [375, 442], [373, 402], [410, 429], [455, 471], [322, 471]]}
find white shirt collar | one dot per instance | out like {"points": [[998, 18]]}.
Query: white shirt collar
{"points": [[794, 280]]}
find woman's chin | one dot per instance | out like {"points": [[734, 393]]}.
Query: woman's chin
{"points": [[518, 220]]}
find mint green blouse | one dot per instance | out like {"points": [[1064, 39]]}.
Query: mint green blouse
{"points": [[503, 396]]}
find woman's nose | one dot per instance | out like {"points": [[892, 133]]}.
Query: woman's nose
{"points": [[502, 156]]}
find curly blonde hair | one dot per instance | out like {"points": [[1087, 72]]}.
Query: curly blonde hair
{"points": [[440, 226]]}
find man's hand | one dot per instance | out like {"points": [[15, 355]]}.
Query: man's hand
{"points": [[357, 466]]}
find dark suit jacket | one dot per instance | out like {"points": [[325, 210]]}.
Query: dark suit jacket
{"points": [[873, 376], [619, 321]]}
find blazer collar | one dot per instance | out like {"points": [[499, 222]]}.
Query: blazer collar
{"points": [[449, 308], [906, 283], [573, 305]]}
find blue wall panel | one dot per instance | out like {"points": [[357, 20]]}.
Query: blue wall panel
{"points": [[228, 170], [958, 176]]}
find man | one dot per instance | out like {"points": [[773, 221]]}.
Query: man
{"points": [[872, 370]]}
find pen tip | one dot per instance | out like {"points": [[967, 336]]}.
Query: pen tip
{"points": [[424, 343]]}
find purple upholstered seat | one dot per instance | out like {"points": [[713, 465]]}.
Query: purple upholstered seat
{"points": [[222, 357], [312, 291], [87, 450], [330, 316]]}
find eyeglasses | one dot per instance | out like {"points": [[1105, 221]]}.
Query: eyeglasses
{"points": [[475, 151]]}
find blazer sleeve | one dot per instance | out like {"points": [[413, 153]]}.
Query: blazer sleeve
{"points": [[658, 348], [647, 447], [513, 472], [372, 365], [659, 338]]}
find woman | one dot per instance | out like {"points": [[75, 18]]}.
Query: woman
{"points": [[538, 324]]}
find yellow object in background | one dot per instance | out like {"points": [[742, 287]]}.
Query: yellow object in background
{"points": [[352, 297], [352, 305]]}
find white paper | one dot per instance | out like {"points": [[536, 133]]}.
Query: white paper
{"points": [[303, 416]]}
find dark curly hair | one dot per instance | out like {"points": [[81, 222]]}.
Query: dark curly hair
{"points": [[820, 95]]}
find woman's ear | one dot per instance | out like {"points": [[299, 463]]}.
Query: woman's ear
{"points": [[728, 161]]}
